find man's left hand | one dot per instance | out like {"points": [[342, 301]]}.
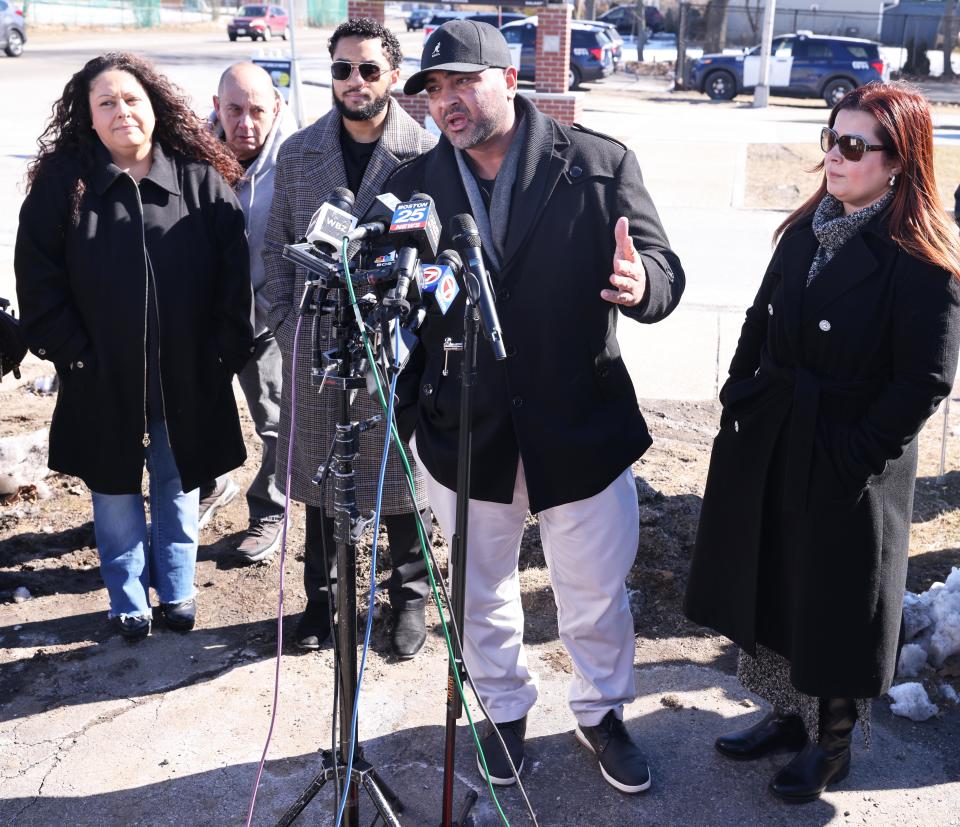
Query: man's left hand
{"points": [[629, 276]]}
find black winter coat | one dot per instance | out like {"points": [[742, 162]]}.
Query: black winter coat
{"points": [[82, 283], [562, 400], [803, 536]]}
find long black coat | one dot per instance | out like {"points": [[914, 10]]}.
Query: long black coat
{"points": [[804, 531], [82, 285], [563, 399]]}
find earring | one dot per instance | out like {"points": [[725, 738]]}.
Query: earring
{"points": [[893, 179]]}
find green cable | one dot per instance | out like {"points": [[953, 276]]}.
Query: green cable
{"points": [[422, 535]]}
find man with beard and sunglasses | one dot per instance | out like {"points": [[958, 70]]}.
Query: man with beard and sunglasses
{"points": [[357, 144], [571, 240]]}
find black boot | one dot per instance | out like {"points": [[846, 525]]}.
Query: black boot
{"points": [[313, 628], [409, 629], [822, 764], [773, 733]]}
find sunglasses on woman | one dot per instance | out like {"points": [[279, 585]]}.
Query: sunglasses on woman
{"points": [[342, 69], [852, 147]]}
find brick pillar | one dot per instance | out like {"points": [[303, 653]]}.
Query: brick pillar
{"points": [[366, 8], [553, 48]]}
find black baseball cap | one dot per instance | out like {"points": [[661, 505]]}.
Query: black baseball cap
{"points": [[460, 46]]}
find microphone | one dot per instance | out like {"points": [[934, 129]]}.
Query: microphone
{"points": [[332, 221], [440, 279], [377, 220], [415, 229], [466, 238]]}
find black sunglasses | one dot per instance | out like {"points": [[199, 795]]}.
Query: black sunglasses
{"points": [[852, 147], [342, 69]]}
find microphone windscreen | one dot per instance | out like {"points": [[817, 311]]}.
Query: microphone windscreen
{"points": [[342, 198]]}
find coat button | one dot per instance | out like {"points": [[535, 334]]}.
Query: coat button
{"points": [[41, 352], [575, 172], [253, 349], [503, 295], [770, 309], [79, 364], [511, 350], [427, 390], [736, 425], [824, 325], [518, 402], [603, 372]]}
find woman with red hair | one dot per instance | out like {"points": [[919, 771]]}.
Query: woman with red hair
{"points": [[848, 348]]}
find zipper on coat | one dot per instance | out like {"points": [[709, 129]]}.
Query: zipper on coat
{"points": [[148, 280]]}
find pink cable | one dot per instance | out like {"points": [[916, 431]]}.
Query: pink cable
{"points": [[283, 554]]}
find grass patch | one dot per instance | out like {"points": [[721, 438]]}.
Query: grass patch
{"points": [[778, 176]]}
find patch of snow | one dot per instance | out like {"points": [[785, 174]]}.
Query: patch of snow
{"points": [[949, 693], [932, 619], [21, 594], [910, 700], [912, 659]]}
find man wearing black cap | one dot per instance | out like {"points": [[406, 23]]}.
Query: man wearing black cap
{"points": [[571, 239]]}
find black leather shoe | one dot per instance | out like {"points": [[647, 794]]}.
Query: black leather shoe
{"points": [[409, 629], [133, 629], [824, 763], [622, 763], [180, 616], [512, 733], [313, 628], [773, 733]]}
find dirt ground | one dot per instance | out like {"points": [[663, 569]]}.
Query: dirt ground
{"points": [[47, 545], [782, 176]]}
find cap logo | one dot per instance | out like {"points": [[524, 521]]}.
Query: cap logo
{"points": [[436, 51]]}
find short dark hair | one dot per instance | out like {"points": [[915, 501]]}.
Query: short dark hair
{"points": [[366, 28]]}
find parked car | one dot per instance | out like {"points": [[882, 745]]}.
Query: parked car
{"points": [[418, 18], [627, 21], [13, 29], [495, 20], [258, 23], [438, 19], [591, 52], [616, 41], [802, 65]]}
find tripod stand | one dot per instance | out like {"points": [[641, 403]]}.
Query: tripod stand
{"points": [[348, 526]]}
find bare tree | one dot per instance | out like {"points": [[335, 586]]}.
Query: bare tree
{"points": [[949, 38], [716, 25]]}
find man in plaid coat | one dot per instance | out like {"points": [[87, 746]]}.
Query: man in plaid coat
{"points": [[357, 144]]}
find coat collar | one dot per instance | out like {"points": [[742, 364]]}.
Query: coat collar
{"points": [[540, 167], [325, 156], [854, 262], [163, 171]]}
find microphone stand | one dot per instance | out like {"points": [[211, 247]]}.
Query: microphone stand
{"points": [[458, 557], [348, 526]]}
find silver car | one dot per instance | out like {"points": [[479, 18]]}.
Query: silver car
{"points": [[13, 29]]}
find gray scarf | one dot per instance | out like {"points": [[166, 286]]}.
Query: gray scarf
{"points": [[493, 225], [833, 229]]}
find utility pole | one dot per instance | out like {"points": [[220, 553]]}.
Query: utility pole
{"points": [[295, 85], [761, 94]]}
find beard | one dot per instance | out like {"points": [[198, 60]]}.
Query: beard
{"points": [[366, 112], [488, 121]]}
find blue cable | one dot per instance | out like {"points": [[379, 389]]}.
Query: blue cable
{"points": [[373, 587]]}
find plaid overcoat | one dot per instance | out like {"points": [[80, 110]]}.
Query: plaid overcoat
{"points": [[309, 166]]}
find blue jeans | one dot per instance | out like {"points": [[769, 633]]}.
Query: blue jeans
{"points": [[134, 557]]}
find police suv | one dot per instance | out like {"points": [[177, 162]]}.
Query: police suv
{"points": [[803, 65]]}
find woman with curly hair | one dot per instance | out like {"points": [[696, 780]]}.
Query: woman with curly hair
{"points": [[850, 345], [133, 279]]}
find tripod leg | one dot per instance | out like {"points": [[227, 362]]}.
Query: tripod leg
{"points": [[305, 798], [389, 794], [380, 801]]}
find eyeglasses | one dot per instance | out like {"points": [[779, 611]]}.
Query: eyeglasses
{"points": [[342, 69], [852, 147]]}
